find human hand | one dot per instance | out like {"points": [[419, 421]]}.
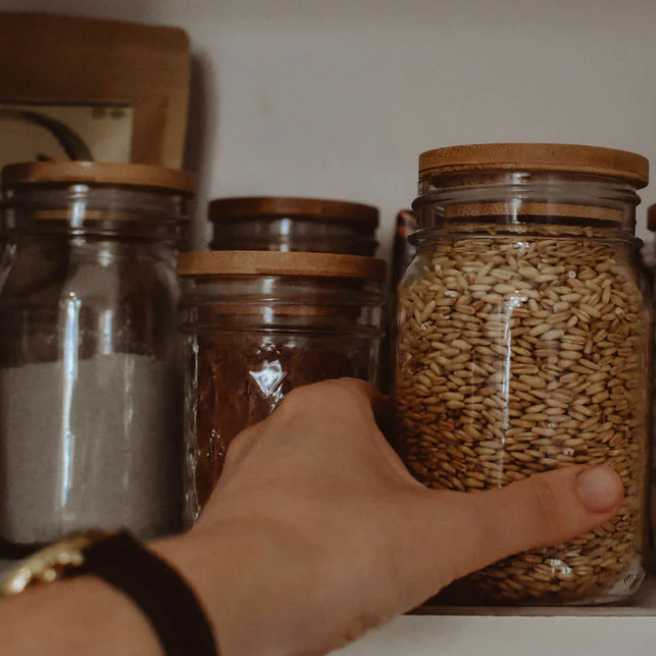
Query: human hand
{"points": [[316, 532]]}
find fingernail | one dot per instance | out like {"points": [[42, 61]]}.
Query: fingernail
{"points": [[599, 488]]}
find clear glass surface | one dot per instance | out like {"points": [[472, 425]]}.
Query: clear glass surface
{"points": [[248, 342], [90, 392], [524, 346]]}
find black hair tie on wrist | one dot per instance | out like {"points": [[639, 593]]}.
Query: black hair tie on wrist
{"points": [[158, 590]]}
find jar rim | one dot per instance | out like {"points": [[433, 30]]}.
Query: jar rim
{"points": [[428, 236], [611, 163], [145, 176], [280, 263]]}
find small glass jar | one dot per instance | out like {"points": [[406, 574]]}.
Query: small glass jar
{"points": [[293, 224], [90, 394], [256, 325], [648, 261], [648, 250], [403, 252], [523, 346]]}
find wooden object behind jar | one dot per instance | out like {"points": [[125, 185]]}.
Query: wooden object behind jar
{"points": [[57, 59]]}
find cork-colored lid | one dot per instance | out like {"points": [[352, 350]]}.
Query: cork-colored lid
{"points": [[229, 209], [591, 160], [280, 263], [145, 176]]}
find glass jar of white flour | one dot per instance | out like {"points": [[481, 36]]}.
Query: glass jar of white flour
{"points": [[89, 389]]}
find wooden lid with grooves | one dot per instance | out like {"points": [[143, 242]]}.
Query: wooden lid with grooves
{"points": [[566, 158], [280, 263], [477, 210], [145, 176], [228, 209]]}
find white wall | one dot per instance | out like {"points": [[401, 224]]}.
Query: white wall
{"points": [[313, 97]]}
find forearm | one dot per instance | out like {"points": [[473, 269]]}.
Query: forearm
{"points": [[81, 616], [87, 616]]}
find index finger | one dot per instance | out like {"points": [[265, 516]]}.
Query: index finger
{"points": [[340, 396]]}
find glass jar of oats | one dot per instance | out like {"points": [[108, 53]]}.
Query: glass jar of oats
{"points": [[523, 346]]}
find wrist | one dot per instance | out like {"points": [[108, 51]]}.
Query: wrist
{"points": [[217, 570], [247, 580]]}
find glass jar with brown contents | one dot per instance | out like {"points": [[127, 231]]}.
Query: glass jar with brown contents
{"points": [[524, 329], [256, 325], [273, 223]]}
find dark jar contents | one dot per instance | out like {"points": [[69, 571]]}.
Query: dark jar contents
{"points": [[257, 325], [648, 261], [524, 329], [648, 250], [90, 388], [293, 224]]}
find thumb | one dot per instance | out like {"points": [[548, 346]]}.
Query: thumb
{"points": [[545, 509]]}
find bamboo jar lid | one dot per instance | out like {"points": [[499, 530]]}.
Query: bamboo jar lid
{"points": [[280, 263], [145, 176], [591, 160], [231, 209]]}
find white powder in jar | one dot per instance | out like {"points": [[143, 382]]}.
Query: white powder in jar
{"points": [[95, 444]]}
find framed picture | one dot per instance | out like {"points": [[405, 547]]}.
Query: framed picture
{"points": [[80, 88], [42, 132]]}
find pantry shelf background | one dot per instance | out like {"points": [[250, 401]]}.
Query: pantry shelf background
{"points": [[337, 99]]}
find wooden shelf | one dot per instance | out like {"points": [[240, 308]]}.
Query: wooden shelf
{"points": [[571, 631]]}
